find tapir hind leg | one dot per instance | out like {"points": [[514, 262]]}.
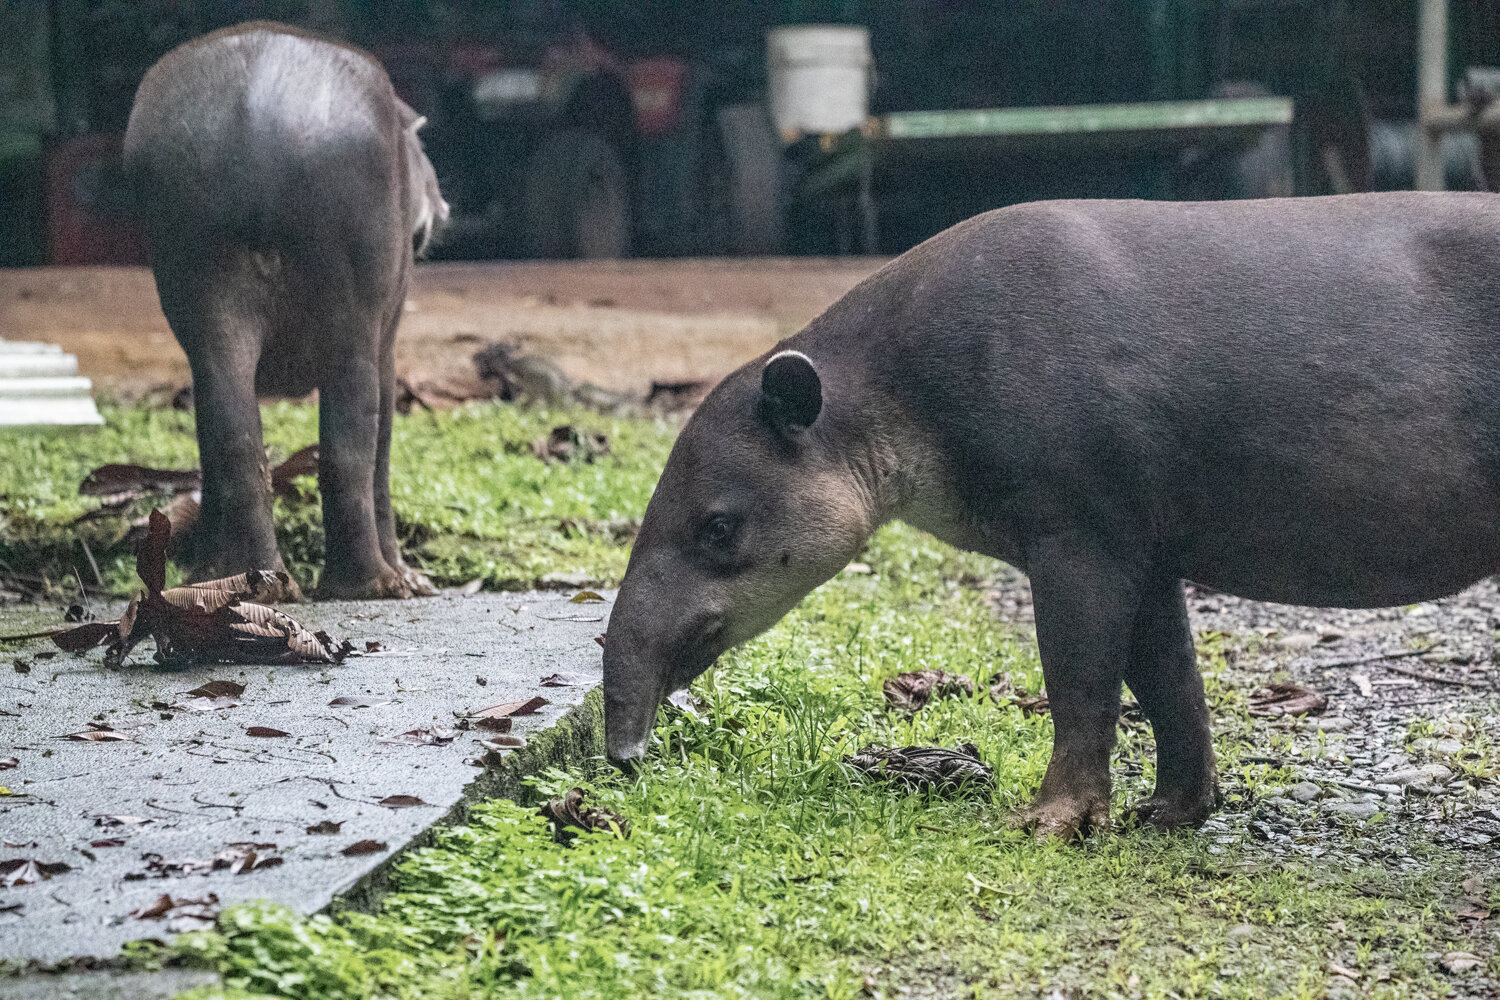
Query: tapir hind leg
{"points": [[1162, 673], [385, 518], [218, 319], [1085, 602], [349, 427]]}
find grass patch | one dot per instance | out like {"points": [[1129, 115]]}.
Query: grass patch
{"points": [[759, 866], [471, 499]]}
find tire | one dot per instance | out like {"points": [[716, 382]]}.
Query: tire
{"points": [[576, 198]]}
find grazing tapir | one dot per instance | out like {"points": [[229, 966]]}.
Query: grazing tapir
{"points": [[283, 186], [1289, 400]]}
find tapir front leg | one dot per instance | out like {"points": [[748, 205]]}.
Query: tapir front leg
{"points": [[1086, 602], [1162, 673]]}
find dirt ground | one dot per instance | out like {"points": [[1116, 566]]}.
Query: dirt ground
{"points": [[616, 324]]}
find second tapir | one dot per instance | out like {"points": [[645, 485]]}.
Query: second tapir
{"points": [[283, 187], [1293, 400]]}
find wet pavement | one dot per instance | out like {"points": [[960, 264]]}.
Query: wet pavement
{"points": [[203, 801]]}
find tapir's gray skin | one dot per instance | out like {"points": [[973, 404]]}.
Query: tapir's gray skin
{"points": [[1289, 400], [283, 185]]}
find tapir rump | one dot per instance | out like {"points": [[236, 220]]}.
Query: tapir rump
{"points": [[1286, 400], [283, 187]]}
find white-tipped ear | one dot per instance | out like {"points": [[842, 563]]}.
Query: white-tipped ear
{"points": [[791, 393]]}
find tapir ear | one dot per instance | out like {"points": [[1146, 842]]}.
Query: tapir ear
{"points": [[791, 394]]}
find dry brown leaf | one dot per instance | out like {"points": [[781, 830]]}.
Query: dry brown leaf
{"points": [[327, 827], [101, 735], [557, 681], [924, 768], [910, 692], [360, 701], [25, 871], [512, 708], [1460, 961], [119, 481], [362, 847], [402, 802], [6, 763], [431, 736], [107, 821], [568, 814], [265, 731], [108, 842], [1287, 699]]}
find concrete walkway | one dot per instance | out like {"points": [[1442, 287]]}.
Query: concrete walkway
{"points": [[145, 811]]}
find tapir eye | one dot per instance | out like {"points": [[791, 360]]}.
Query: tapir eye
{"points": [[719, 530]]}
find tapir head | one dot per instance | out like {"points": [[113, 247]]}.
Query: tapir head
{"points": [[428, 209], [759, 503]]}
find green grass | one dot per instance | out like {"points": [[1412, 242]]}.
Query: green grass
{"points": [[471, 499], [759, 866]]}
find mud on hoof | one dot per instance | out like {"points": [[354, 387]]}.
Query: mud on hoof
{"points": [[1063, 817], [1169, 812]]}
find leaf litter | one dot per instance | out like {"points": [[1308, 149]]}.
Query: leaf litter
{"points": [[181, 914], [1280, 700], [568, 813], [910, 692], [925, 768], [26, 871], [240, 858], [212, 621]]}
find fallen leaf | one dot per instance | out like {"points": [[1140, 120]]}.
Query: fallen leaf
{"points": [[328, 826], [432, 736], [1470, 910], [1362, 681], [568, 814], [371, 646], [1460, 961], [264, 731], [1287, 699], [1034, 704], [1339, 970], [119, 481], [185, 914], [586, 597], [493, 725], [471, 588], [302, 462], [499, 743], [24, 871], [119, 820], [101, 735], [108, 842], [362, 847], [217, 689], [924, 768], [6, 763], [402, 802], [910, 692], [527, 707], [360, 701], [557, 681], [600, 639]]}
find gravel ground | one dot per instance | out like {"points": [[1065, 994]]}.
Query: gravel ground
{"points": [[1409, 743]]}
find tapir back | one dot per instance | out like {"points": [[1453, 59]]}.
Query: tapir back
{"points": [[1295, 400]]}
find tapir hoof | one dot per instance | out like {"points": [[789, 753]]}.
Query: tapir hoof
{"points": [[1063, 817], [417, 584], [1175, 812], [387, 584]]}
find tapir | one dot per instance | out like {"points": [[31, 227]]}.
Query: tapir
{"points": [[284, 192], [1292, 400]]}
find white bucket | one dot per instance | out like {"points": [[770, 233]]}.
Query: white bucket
{"points": [[819, 77]]}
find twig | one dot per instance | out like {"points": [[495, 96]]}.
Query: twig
{"points": [[1425, 676], [98, 577], [88, 607], [1378, 657], [1352, 785]]}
